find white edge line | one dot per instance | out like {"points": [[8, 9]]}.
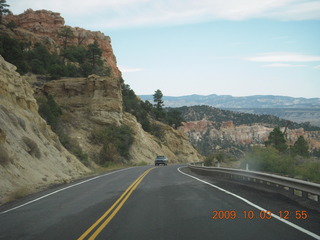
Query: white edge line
{"points": [[255, 206], [60, 190]]}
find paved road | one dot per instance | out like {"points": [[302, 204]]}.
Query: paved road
{"points": [[139, 203]]}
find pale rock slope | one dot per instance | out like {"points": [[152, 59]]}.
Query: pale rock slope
{"points": [[31, 155]]}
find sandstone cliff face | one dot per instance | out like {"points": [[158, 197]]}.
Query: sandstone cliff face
{"points": [[44, 26], [97, 98], [228, 135], [31, 154], [94, 102]]}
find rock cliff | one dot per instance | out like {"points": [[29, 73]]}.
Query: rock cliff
{"points": [[94, 102], [44, 26], [31, 155]]}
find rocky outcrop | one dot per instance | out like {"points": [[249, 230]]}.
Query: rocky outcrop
{"points": [[227, 135], [175, 145], [44, 26], [94, 102], [97, 98], [31, 154]]}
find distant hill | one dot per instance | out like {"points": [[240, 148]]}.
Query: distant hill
{"points": [[227, 101], [196, 113], [293, 109]]}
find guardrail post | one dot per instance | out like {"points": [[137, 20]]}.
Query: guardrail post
{"points": [[247, 167]]}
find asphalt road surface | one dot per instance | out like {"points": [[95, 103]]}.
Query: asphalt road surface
{"points": [[152, 203]]}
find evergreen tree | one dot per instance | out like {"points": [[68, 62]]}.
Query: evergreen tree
{"points": [[157, 98], [174, 118], [158, 106], [3, 9], [301, 147], [94, 56], [66, 35], [277, 140]]}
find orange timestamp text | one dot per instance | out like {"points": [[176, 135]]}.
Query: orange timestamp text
{"points": [[263, 214]]}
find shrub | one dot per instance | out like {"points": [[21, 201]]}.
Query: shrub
{"points": [[209, 161], [268, 160], [116, 142], [109, 153], [4, 156], [33, 147], [50, 111], [11, 25], [309, 171], [73, 146], [157, 131]]}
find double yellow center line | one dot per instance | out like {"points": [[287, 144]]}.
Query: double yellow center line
{"points": [[112, 211]]}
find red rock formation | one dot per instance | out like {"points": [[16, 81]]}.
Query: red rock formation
{"points": [[255, 134], [44, 26]]}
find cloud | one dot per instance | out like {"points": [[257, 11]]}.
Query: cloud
{"points": [[127, 70], [283, 57], [283, 65], [317, 67], [128, 13]]}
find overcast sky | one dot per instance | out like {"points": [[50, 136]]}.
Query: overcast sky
{"points": [[224, 47]]}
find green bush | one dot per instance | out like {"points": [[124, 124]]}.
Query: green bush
{"points": [[116, 142], [271, 160], [309, 171], [13, 51], [157, 131], [209, 161], [268, 160], [50, 111]]}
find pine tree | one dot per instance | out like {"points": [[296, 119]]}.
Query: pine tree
{"points": [[158, 106], [157, 98], [94, 55], [301, 147], [277, 140], [3, 9]]}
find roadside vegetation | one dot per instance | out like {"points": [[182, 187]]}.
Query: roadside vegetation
{"points": [[278, 157], [275, 157], [53, 114]]}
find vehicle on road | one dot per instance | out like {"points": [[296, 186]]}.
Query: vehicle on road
{"points": [[161, 160]]}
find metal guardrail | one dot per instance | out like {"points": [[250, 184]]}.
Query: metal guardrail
{"points": [[298, 187]]}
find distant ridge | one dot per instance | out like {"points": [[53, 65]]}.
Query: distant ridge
{"points": [[294, 109], [228, 101]]}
